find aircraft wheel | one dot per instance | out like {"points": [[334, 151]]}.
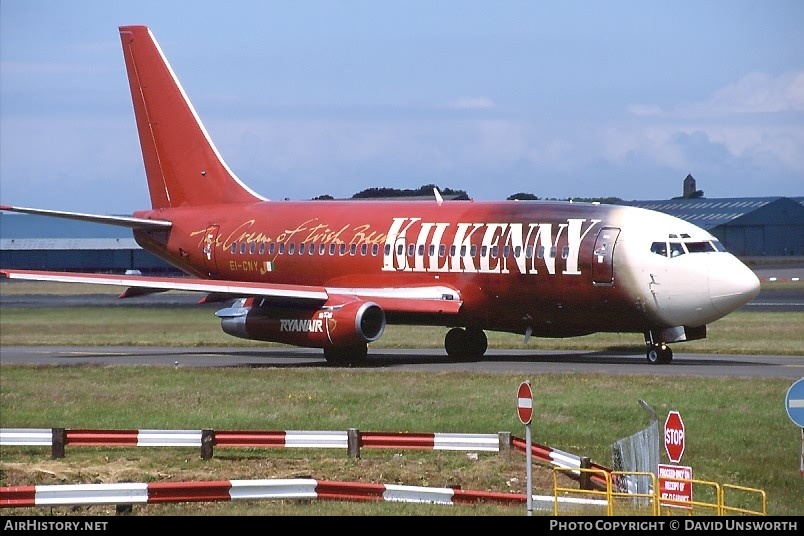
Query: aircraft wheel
{"points": [[476, 344], [659, 354], [454, 342], [348, 356], [465, 344]]}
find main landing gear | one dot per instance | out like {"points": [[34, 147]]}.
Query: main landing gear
{"points": [[465, 344]]}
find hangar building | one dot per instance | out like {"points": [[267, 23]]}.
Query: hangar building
{"points": [[747, 226], [34, 242]]}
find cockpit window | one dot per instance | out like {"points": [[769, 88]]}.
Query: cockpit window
{"points": [[676, 249], [685, 245], [699, 247], [676, 246], [660, 248]]}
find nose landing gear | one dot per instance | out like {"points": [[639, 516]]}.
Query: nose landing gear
{"points": [[657, 353]]}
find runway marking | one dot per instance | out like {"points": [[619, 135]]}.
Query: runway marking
{"points": [[103, 354]]}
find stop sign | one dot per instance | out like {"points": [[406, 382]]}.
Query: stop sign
{"points": [[674, 436]]}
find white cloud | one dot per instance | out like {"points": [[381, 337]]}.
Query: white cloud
{"points": [[752, 94], [654, 141], [472, 103], [756, 117], [644, 110]]}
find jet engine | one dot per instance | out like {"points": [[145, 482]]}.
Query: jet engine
{"points": [[348, 325]]}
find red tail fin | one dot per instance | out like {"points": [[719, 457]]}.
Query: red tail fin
{"points": [[182, 165]]}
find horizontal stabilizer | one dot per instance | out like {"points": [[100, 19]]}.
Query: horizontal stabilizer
{"points": [[120, 221]]}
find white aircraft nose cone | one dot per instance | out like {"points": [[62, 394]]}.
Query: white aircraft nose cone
{"points": [[731, 285]]}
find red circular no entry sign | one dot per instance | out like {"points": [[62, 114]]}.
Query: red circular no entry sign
{"points": [[524, 403]]}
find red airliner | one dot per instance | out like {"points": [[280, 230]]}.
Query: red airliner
{"points": [[333, 274]]}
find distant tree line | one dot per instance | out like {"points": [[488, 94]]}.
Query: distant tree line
{"points": [[521, 196], [423, 191], [455, 195]]}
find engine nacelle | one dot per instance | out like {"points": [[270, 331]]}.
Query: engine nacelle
{"points": [[353, 323]]}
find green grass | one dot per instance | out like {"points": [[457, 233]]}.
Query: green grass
{"points": [[737, 430], [742, 332], [738, 333]]}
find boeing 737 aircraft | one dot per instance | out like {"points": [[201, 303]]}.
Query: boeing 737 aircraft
{"points": [[333, 274]]}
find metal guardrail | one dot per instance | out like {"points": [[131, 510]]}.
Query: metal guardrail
{"points": [[229, 490], [58, 438], [352, 440]]}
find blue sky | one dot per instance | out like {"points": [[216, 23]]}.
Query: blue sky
{"points": [[555, 98]]}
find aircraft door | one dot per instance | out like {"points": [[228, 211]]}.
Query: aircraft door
{"points": [[210, 241], [603, 261]]}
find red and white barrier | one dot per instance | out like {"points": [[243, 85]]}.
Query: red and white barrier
{"points": [[230, 490], [288, 439], [307, 489], [228, 438]]}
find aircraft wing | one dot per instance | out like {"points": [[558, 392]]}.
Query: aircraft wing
{"points": [[435, 299], [422, 299]]}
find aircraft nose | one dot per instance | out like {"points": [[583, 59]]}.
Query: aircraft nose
{"points": [[731, 285]]}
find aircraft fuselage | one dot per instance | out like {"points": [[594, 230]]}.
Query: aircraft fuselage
{"points": [[557, 268]]}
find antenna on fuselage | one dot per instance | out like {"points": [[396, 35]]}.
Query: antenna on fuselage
{"points": [[438, 197]]}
